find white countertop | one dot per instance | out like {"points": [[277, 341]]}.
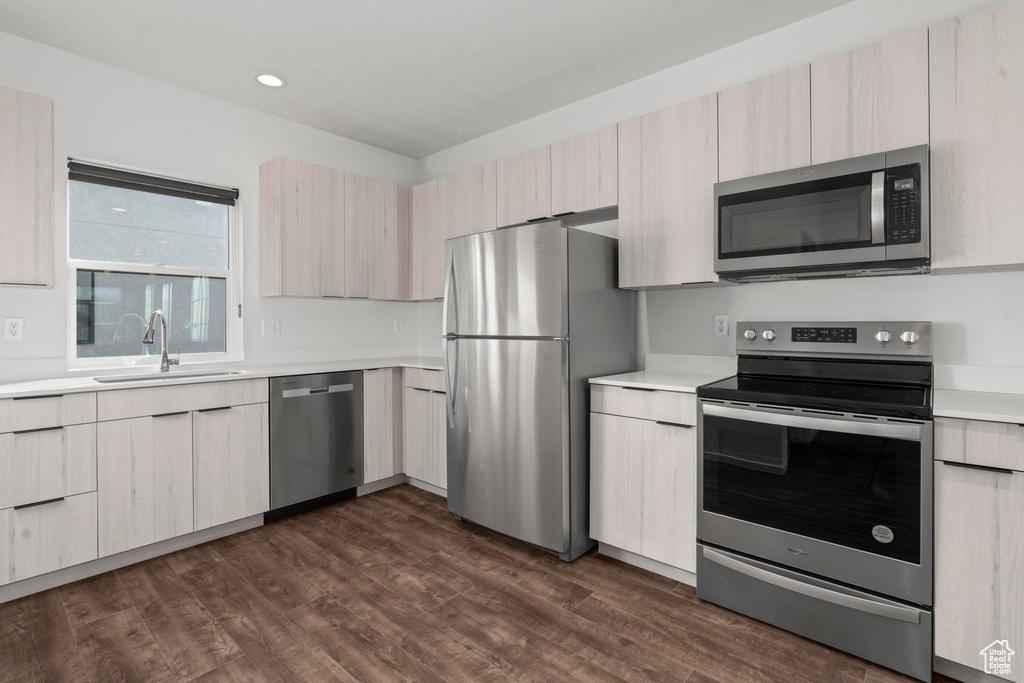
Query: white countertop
{"points": [[79, 384], [662, 381], [979, 405]]}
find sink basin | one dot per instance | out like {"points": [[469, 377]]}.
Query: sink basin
{"points": [[165, 376]]}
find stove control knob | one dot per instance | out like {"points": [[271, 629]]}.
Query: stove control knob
{"points": [[750, 334], [883, 336], [910, 337], [768, 335]]}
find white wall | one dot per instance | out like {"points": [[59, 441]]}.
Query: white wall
{"points": [[978, 315], [108, 114]]}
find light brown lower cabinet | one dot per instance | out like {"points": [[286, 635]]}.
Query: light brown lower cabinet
{"points": [[382, 442], [231, 463], [979, 562], [424, 437], [144, 481], [643, 487], [47, 537]]}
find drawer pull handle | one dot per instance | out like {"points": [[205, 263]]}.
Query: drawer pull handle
{"points": [[180, 412], [41, 502], [638, 389], [972, 466], [674, 424], [213, 410], [422, 389], [33, 398], [41, 429]]}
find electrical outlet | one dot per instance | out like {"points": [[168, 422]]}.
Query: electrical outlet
{"points": [[398, 326], [271, 327], [13, 328], [721, 326]]}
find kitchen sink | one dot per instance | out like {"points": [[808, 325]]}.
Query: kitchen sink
{"points": [[165, 376]]}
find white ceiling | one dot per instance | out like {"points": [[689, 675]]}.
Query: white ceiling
{"points": [[410, 76]]}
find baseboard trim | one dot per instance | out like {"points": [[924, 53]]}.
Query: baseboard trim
{"points": [[381, 484], [436, 490], [666, 570], [13, 591], [967, 674]]}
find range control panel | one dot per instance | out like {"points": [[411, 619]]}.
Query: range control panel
{"points": [[912, 339], [903, 204]]}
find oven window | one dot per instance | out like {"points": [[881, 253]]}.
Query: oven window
{"points": [[862, 492], [812, 216]]}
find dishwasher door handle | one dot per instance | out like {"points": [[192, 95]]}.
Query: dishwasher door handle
{"points": [[307, 391]]}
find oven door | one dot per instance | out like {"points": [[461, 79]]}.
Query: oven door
{"points": [[840, 496], [828, 215]]}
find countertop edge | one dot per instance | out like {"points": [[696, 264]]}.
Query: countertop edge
{"points": [[684, 383], [979, 405]]}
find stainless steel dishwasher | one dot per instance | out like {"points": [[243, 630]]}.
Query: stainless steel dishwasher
{"points": [[316, 436]]}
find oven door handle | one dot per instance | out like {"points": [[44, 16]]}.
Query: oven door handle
{"points": [[907, 432], [882, 609]]}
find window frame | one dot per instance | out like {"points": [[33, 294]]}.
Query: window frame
{"points": [[233, 342]]}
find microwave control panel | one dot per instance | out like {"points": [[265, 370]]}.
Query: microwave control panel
{"points": [[903, 204]]}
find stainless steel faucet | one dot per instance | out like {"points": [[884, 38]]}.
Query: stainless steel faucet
{"points": [[165, 362]]}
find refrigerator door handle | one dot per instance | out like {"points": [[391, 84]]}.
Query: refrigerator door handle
{"points": [[449, 291], [451, 374]]}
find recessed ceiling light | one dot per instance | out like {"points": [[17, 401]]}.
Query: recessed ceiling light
{"points": [[119, 209], [270, 80]]}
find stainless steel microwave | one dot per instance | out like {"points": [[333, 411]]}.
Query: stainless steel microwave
{"points": [[862, 216]]}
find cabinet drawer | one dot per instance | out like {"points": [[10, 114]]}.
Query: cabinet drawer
{"points": [[142, 402], [661, 406], [992, 444], [47, 463], [424, 379], [17, 414], [47, 537]]}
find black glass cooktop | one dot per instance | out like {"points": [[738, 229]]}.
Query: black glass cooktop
{"points": [[891, 400]]}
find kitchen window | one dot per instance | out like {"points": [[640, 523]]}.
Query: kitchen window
{"points": [[139, 243]]}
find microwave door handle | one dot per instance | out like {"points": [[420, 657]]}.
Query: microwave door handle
{"points": [[907, 432], [878, 207]]}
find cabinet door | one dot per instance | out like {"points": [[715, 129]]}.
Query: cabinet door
{"points": [[417, 435], [26, 188], [668, 166], [427, 233], [327, 215], [976, 70], [378, 425], [979, 562], [472, 197], [584, 172], [765, 125], [231, 463], [438, 470], [389, 247], [871, 99], [524, 187], [144, 481], [643, 495], [47, 537]]}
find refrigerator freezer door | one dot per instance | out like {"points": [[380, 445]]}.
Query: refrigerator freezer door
{"points": [[508, 437], [508, 283]]}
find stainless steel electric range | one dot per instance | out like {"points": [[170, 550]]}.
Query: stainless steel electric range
{"points": [[815, 503]]}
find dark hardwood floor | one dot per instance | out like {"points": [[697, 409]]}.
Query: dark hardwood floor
{"points": [[391, 587]]}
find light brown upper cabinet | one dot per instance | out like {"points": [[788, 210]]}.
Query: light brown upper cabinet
{"points": [[871, 99], [327, 233], [376, 239], [524, 187], [668, 166], [302, 229], [977, 138], [471, 201], [428, 231], [26, 188], [765, 125], [584, 172]]}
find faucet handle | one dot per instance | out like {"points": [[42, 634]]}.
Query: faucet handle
{"points": [[177, 358]]}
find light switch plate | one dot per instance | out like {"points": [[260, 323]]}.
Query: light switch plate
{"points": [[13, 328], [721, 326], [398, 326]]}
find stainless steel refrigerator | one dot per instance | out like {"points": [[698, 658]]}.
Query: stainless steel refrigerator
{"points": [[530, 313]]}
